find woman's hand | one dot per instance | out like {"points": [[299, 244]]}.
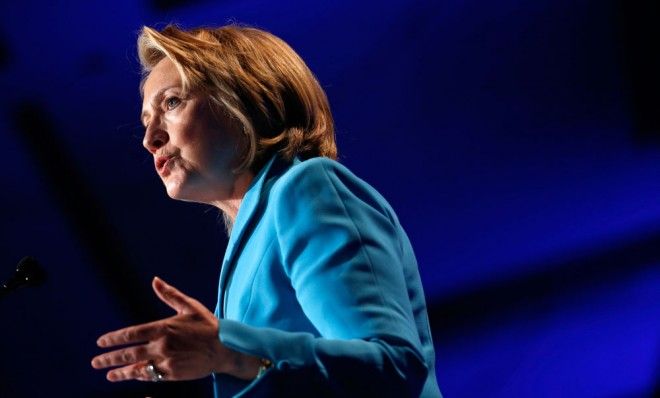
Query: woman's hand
{"points": [[185, 346]]}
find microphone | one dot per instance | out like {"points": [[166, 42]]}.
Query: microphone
{"points": [[28, 273]]}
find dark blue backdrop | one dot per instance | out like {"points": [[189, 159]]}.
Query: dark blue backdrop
{"points": [[513, 138]]}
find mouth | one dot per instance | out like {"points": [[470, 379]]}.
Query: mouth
{"points": [[162, 164]]}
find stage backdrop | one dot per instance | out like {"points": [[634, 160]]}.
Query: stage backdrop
{"points": [[518, 142]]}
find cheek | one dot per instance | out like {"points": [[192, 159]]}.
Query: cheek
{"points": [[206, 149], [210, 141], [219, 140]]}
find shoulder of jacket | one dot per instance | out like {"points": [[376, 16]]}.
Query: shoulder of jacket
{"points": [[309, 172], [316, 164]]}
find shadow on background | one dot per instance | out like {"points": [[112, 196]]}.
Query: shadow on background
{"points": [[535, 294], [468, 114]]}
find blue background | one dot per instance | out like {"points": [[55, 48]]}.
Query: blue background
{"points": [[509, 136]]}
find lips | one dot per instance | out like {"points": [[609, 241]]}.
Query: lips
{"points": [[161, 163]]}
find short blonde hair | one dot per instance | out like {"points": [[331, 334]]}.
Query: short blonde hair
{"points": [[256, 78]]}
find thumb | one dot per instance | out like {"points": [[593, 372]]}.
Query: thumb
{"points": [[171, 296]]}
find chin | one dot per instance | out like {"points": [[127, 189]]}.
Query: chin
{"points": [[177, 190], [178, 194], [173, 193]]}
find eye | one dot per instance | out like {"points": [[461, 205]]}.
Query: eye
{"points": [[172, 102]]}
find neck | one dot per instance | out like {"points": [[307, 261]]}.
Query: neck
{"points": [[231, 205]]}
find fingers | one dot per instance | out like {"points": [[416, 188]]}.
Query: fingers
{"points": [[148, 331], [131, 334], [164, 341], [173, 297], [136, 371], [121, 357]]}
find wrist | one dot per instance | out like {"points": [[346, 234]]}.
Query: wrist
{"points": [[238, 364], [246, 367], [228, 361]]}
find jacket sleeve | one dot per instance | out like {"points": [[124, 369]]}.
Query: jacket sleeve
{"points": [[342, 250]]}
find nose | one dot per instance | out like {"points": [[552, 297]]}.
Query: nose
{"points": [[155, 137]]}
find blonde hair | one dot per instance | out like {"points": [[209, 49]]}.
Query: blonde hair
{"points": [[256, 78]]}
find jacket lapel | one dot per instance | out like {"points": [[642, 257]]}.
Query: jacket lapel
{"points": [[246, 213]]}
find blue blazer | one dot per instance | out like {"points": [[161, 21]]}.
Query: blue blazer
{"points": [[320, 278]]}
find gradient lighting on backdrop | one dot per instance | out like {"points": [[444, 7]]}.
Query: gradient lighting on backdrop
{"points": [[512, 138]]}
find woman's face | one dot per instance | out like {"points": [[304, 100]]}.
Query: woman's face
{"points": [[194, 152]]}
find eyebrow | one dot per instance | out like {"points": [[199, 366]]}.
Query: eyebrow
{"points": [[155, 99]]}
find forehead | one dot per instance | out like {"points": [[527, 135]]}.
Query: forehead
{"points": [[164, 75]]}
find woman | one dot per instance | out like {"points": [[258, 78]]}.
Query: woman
{"points": [[319, 290]]}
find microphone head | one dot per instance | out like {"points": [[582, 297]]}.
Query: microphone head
{"points": [[29, 272]]}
